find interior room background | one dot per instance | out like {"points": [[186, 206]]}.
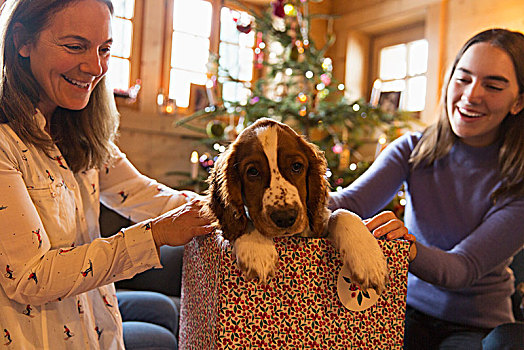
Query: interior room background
{"points": [[162, 47]]}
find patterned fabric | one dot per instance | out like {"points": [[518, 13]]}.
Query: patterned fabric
{"points": [[57, 272], [299, 308]]}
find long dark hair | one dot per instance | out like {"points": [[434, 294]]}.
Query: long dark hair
{"points": [[438, 139], [85, 136]]}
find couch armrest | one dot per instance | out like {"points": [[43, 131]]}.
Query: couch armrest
{"points": [[167, 280]]}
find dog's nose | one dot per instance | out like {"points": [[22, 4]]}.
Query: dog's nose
{"points": [[284, 218]]}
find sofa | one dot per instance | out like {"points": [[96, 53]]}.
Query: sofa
{"points": [[167, 280]]}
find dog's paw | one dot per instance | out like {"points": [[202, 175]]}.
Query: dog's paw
{"points": [[359, 250], [256, 256]]}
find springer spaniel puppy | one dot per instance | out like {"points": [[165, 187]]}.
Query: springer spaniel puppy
{"points": [[270, 183]]}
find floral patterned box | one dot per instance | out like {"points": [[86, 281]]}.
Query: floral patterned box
{"points": [[299, 308]]}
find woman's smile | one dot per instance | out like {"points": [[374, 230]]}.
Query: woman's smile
{"points": [[483, 90], [77, 83], [71, 56]]}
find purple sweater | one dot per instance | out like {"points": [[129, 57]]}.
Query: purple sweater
{"points": [[465, 242]]}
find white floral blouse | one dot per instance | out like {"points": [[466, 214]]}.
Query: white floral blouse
{"points": [[56, 272]]}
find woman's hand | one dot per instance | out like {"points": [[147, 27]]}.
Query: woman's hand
{"points": [[180, 225], [387, 224]]}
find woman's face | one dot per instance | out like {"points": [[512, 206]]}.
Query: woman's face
{"points": [[71, 55], [482, 91]]}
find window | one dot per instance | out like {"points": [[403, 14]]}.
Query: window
{"points": [[236, 54], [195, 26], [403, 68], [120, 74], [191, 30]]}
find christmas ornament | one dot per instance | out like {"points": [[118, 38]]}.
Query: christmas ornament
{"points": [[327, 64], [278, 8], [244, 28], [338, 148], [215, 129], [303, 111]]}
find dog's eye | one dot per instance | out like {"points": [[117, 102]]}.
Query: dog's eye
{"points": [[297, 167], [252, 172]]}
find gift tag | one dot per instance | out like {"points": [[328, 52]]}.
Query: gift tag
{"points": [[351, 295]]}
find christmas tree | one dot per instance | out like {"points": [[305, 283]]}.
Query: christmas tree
{"points": [[296, 87]]}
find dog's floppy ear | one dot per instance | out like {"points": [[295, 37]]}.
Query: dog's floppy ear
{"points": [[318, 187], [225, 196]]}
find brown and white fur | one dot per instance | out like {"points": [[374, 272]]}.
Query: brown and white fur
{"points": [[270, 183]]}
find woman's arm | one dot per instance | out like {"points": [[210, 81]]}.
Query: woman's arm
{"points": [[374, 189], [41, 252], [35, 273], [124, 189], [498, 238]]}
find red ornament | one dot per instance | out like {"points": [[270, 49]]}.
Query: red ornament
{"points": [[241, 27], [278, 8], [244, 29]]}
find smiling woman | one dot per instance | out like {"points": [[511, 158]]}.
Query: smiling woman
{"points": [[58, 161], [70, 57], [465, 201], [27, 85], [481, 93]]}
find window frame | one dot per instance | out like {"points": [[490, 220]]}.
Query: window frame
{"points": [[254, 70], [214, 41], [136, 52], [404, 35]]}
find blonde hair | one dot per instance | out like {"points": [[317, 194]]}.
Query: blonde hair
{"points": [[84, 136], [438, 139]]}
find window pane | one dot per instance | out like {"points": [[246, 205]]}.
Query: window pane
{"points": [[124, 8], [118, 73], [418, 57], [394, 85], [179, 85], [235, 92], [228, 61], [236, 50], [416, 94], [237, 61], [393, 62], [228, 28], [122, 35], [245, 58], [247, 40], [192, 16], [189, 52], [229, 31]]}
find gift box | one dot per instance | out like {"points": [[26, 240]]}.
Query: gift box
{"points": [[308, 304]]}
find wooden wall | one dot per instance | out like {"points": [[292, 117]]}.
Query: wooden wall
{"points": [[447, 25]]}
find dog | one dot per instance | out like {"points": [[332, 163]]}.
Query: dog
{"points": [[270, 182]]}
